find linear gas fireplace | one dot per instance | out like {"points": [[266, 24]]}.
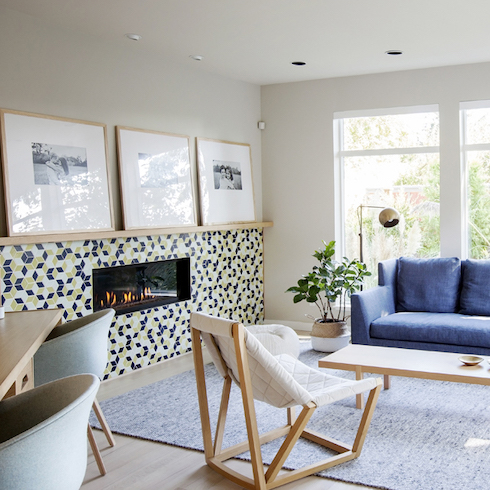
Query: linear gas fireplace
{"points": [[141, 286]]}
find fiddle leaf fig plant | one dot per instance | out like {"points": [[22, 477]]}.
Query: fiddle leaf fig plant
{"points": [[330, 283]]}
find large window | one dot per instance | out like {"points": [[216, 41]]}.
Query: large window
{"points": [[389, 159], [475, 129]]}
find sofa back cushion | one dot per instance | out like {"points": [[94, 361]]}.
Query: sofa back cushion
{"points": [[428, 284], [475, 291]]}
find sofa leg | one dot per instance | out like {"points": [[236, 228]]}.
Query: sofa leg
{"points": [[387, 382]]}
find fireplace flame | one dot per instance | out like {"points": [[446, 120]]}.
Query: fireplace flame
{"points": [[126, 298]]}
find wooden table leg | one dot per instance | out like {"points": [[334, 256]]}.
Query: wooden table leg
{"points": [[24, 382], [360, 396]]}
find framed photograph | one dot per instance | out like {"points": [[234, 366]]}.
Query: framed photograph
{"points": [[225, 182], [55, 174], [156, 180]]}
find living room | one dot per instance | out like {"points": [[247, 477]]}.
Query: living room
{"points": [[62, 72]]}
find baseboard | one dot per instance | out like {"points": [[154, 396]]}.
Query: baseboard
{"points": [[148, 374], [298, 326]]}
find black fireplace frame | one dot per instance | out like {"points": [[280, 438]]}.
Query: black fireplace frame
{"points": [[182, 277]]}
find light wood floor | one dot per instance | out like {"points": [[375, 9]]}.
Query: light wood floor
{"points": [[138, 464]]}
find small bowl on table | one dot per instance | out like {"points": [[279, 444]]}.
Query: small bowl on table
{"points": [[471, 360]]}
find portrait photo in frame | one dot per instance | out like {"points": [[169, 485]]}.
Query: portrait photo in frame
{"points": [[225, 182], [156, 179], [55, 174]]}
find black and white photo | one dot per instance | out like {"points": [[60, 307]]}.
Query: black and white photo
{"points": [[227, 175], [157, 171], [59, 165]]}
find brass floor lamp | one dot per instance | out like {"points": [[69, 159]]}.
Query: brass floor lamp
{"points": [[388, 217]]}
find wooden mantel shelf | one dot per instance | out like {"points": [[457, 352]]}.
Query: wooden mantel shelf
{"points": [[101, 235]]}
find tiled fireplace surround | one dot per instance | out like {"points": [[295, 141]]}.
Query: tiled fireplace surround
{"points": [[226, 280]]}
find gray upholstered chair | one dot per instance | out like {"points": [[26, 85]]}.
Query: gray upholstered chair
{"points": [[77, 347], [43, 435]]}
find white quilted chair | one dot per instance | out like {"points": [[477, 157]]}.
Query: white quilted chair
{"points": [[281, 381]]}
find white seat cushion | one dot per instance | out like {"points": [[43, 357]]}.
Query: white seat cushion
{"points": [[323, 387], [277, 339]]}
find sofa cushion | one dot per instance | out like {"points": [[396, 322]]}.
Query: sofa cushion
{"points": [[428, 284], [475, 291], [440, 328]]}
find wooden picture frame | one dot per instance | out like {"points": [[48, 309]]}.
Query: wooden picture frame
{"points": [[55, 174], [156, 179], [225, 182]]}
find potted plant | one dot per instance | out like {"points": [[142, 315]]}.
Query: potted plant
{"points": [[329, 285]]}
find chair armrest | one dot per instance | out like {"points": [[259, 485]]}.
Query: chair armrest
{"points": [[367, 306]]}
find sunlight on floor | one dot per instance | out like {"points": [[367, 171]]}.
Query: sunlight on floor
{"points": [[473, 442]]}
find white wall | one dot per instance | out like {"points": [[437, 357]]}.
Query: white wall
{"points": [[298, 170], [50, 71]]}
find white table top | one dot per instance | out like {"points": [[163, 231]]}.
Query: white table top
{"points": [[443, 366]]}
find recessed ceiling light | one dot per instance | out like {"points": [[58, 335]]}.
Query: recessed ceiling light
{"points": [[394, 52], [196, 57], [298, 63], [134, 37]]}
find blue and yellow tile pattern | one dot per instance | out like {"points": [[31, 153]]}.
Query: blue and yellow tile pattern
{"points": [[226, 280]]}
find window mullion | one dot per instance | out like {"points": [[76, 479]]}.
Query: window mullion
{"points": [[389, 151]]}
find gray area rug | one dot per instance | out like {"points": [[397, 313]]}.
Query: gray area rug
{"points": [[428, 435]]}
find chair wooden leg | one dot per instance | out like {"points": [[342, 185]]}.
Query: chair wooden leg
{"points": [[220, 427], [103, 423], [202, 394], [290, 441], [249, 408], [95, 450], [366, 419]]}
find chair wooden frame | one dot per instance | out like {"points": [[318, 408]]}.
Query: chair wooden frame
{"points": [[91, 438], [293, 430]]}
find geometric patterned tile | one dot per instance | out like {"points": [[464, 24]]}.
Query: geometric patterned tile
{"points": [[226, 280]]}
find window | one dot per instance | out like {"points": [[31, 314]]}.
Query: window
{"points": [[388, 159], [475, 130]]}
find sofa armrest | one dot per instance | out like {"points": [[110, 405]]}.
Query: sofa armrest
{"points": [[387, 270], [367, 306]]}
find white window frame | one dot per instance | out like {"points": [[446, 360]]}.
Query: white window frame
{"points": [[340, 154], [465, 148]]}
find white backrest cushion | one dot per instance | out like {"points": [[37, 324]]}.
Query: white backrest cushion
{"points": [[270, 381]]}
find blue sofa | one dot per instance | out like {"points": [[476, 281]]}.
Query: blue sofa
{"points": [[440, 304]]}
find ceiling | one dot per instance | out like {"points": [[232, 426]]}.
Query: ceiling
{"points": [[256, 40]]}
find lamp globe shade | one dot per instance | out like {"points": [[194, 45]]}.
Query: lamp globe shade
{"points": [[389, 217]]}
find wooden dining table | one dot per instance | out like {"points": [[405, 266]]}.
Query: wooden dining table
{"points": [[21, 334]]}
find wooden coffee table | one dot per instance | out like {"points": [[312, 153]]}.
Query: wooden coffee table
{"points": [[441, 366]]}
